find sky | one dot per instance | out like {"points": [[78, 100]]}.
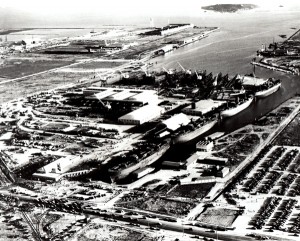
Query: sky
{"points": [[14, 12], [125, 7]]}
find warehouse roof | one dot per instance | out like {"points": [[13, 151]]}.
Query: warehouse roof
{"points": [[104, 94], [59, 164], [119, 94], [176, 121], [141, 112], [122, 95]]}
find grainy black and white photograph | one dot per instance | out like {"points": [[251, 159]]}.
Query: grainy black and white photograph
{"points": [[161, 120]]}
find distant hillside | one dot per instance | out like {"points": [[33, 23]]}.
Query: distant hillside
{"points": [[229, 8]]}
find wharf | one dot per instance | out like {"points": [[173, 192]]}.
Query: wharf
{"points": [[287, 71]]}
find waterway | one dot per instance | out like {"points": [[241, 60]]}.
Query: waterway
{"points": [[231, 49]]}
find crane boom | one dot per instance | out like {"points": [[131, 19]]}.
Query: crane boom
{"points": [[198, 76], [181, 66]]}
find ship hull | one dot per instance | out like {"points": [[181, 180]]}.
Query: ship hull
{"points": [[237, 109], [190, 136], [121, 174], [265, 93]]}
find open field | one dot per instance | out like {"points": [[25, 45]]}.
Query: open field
{"points": [[105, 232], [99, 64], [19, 66], [33, 84]]}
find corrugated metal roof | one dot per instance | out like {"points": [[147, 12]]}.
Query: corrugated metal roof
{"points": [[142, 112]]}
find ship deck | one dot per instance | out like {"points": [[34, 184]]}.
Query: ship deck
{"points": [[205, 106], [253, 81]]}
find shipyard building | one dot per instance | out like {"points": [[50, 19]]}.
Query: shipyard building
{"points": [[204, 146], [55, 170], [169, 29], [133, 96], [213, 160], [168, 126], [175, 122], [142, 115]]}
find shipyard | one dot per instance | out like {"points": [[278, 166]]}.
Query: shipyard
{"points": [[130, 132]]}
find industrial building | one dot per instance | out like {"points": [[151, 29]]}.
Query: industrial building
{"points": [[213, 160], [215, 136], [142, 115], [175, 28], [203, 107], [54, 170], [204, 146], [171, 124], [169, 29], [142, 172], [176, 121], [192, 39], [165, 49], [106, 94], [223, 172]]}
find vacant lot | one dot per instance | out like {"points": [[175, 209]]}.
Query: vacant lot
{"points": [[16, 67], [33, 84], [159, 205], [99, 65], [290, 136], [105, 232], [198, 191], [236, 150], [219, 216]]}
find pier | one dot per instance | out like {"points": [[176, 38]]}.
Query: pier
{"points": [[287, 71]]}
